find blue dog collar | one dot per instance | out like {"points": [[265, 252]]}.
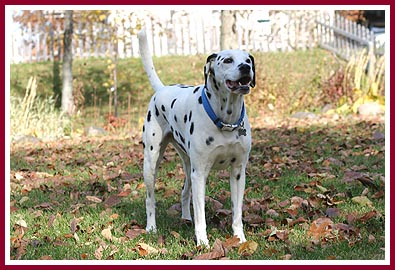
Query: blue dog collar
{"points": [[218, 122]]}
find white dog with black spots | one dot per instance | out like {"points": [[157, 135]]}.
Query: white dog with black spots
{"points": [[208, 127]]}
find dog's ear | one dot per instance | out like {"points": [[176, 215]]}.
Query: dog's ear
{"points": [[252, 84], [208, 67]]}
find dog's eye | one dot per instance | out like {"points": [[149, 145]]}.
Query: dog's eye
{"points": [[248, 61], [228, 60]]}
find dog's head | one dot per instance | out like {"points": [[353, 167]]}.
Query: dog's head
{"points": [[231, 69]]}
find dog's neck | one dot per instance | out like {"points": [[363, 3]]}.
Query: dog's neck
{"points": [[226, 105]]}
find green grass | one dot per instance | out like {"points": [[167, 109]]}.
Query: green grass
{"points": [[54, 179], [298, 75], [51, 182]]}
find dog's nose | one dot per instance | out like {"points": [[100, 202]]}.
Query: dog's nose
{"points": [[244, 69]]}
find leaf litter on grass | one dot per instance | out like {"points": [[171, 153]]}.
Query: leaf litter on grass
{"points": [[312, 179]]}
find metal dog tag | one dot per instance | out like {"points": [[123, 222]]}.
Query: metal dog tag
{"points": [[242, 131]]}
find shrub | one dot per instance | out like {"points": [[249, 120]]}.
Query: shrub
{"points": [[362, 81]]}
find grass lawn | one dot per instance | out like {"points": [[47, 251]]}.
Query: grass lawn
{"points": [[315, 191]]}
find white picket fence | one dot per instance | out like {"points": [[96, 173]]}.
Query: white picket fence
{"points": [[346, 38], [189, 32]]}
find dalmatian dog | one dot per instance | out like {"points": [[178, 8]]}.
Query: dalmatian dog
{"points": [[208, 127]]}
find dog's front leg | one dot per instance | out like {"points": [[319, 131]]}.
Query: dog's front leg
{"points": [[237, 185], [198, 178]]}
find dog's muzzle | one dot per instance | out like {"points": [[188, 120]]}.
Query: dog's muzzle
{"points": [[242, 85]]}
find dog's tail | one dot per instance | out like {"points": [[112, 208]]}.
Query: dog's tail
{"points": [[146, 58]]}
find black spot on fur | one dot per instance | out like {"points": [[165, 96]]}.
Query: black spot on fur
{"points": [[182, 139], [143, 128], [164, 116], [149, 116], [143, 145], [208, 95], [209, 140], [233, 160], [172, 103], [190, 116], [200, 100], [163, 108], [151, 148], [156, 111], [182, 147], [153, 134], [238, 177], [185, 118], [196, 89], [175, 118], [229, 112], [191, 128], [189, 144]]}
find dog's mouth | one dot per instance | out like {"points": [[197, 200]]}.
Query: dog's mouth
{"points": [[242, 85]]}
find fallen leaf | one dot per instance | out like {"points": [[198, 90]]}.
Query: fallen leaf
{"points": [[21, 223], [145, 249], [107, 233], [46, 257], [93, 199], [217, 252], [51, 220], [362, 200], [320, 228], [112, 201], [73, 225], [231, 242], [124, 193], [133, 233], [247, 248], [367, 216], [332, 212], [175, 234], [99, 252], [253, 219], [286, 257]]}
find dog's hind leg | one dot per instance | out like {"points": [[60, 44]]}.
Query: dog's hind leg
{"points": [[153, 152], [186, 190]]}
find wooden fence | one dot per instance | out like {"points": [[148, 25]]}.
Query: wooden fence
{"points": [[190, 32], [344, 37]]}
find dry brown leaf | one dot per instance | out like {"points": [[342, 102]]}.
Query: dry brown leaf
{"points": [[99, 252], [107, 234], [124, 193], [112, 201], [46, 257], [217, 252], [231, 242], [175, 234], [320, 228], [145, 249], [133, 233], [248, 248], [73, 225], [93, 199]]}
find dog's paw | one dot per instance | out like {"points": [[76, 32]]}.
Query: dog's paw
{"points": [[151, 229], [241, 237], [203, 243]]}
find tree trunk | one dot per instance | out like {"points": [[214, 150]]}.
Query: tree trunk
{"points": [[67, 90], [228, 39]]}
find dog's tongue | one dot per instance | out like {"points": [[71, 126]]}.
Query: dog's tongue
{"points": [[232, 84]]}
